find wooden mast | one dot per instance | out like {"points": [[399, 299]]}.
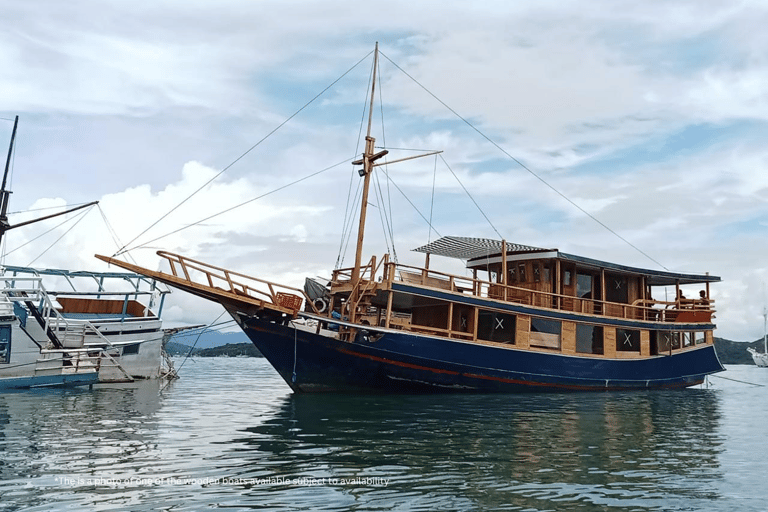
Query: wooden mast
{"points": [[367, 161]]}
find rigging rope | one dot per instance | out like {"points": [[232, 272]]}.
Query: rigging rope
{"points": [[518, 162], [82, 212], [472, 198], [432, 202], [123, 249], [81, 215], [222, 212]]}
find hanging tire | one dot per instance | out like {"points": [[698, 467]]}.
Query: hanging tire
{"points": [[320, 304]]}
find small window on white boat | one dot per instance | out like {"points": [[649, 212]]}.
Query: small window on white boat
{"points": [[493, 326], [627, 340], [589, 339], [5, 343], [545, 332], [131, 349]]}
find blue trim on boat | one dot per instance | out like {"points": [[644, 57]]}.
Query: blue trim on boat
{"points": [[49, 381], [408, 362], [458, 298]]}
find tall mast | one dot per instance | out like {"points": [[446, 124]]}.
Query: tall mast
{"points": [[369, 157], [4, 194]]}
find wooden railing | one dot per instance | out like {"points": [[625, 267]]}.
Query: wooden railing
{"points": [[236, 283], [648, 309]]}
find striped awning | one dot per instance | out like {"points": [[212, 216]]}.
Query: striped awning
{"points": [[466, 248]]}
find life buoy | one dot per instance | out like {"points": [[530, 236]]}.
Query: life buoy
{"points": [[320, 304]]}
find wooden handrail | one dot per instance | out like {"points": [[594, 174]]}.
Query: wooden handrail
{"points": [[486, 289], [214, 274]]}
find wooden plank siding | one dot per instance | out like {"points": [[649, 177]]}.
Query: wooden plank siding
{"points": [[568, 338]]}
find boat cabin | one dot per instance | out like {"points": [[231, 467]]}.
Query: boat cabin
{"points": [[534, 298]]}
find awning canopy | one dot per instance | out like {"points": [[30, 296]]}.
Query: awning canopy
{"points": [[469, 249], [465, 248]]}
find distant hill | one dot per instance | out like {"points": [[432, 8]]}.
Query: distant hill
{"points": [[232, 344], [735, 352], [212, 344]]}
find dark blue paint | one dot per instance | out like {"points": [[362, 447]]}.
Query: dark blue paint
{"points": [[407, 362]]}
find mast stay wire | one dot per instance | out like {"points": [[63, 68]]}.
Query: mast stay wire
{"points": [[227, 210], [123, 249], [46, 232], [432, 202], [351, 207], [81, 217], [470, 196], [385, 210], [518, 162]]}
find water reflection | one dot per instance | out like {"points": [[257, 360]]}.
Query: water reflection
{"points": [[235, 421], [606, 450], [51, 438]]}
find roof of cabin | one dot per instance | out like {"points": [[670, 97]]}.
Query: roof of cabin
{"points": [[478, 251]]}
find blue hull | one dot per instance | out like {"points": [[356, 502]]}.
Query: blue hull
{"points": [[48, 381], [407, 362]]}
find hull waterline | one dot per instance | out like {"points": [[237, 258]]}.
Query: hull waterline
{"points": [[406, 362]]}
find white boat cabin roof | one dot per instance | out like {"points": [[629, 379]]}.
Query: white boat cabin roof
{"points": [[481, 252]]}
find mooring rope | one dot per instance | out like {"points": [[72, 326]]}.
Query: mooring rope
{"points": [[740, 381]]}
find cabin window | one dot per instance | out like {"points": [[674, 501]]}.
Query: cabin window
{"points": [[701, 338], [5, 344], [589, 339], [547, 278], [664, 341], [687, 338], [521, 273], [131, 349], [627, 340], [536, 267], [616, 289], [498, 327], [512, 275], [584, 286], [545, 332], [566, 278]]}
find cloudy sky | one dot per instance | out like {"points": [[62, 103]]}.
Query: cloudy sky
{"points": [[651, 117]]}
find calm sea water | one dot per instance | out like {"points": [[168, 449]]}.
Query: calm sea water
{"points": [[230, 435]]}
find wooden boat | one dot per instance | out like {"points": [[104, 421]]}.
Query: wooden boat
{"points": [[529, 319]]}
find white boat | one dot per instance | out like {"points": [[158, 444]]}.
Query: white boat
{"points": [[761, 359], [26, 360], [76, 314], [108, 317]]}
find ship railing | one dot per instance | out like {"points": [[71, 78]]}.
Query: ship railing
{"points": [[366, 284], [645, 309], [68, 361], [368, 272], [236, 283]]}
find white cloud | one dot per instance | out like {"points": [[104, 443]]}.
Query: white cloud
{"points": [[141, 104]]}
